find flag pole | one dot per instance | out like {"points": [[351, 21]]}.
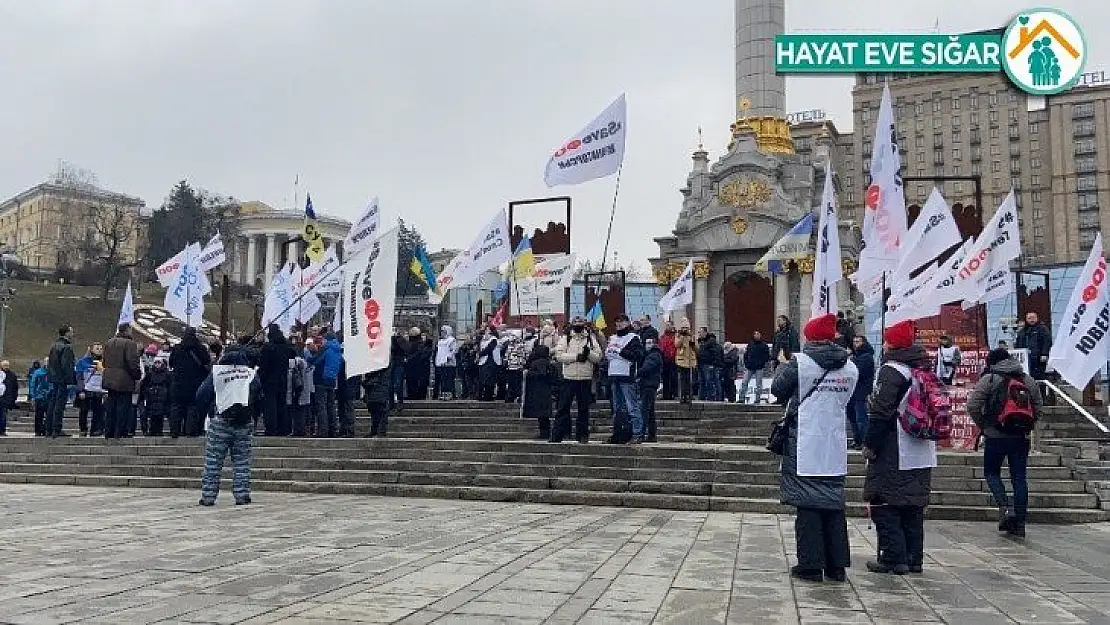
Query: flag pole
{"points": [[882, 316], [612, 212]]}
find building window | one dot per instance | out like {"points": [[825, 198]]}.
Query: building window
{"points": [[1087, 109], [920, 157], [1037, 196], [1015, 165], [1084, 146], [1035, 180], [955, 101], [1086, 182], [974, 118], [919, 141], [849, 148], [936, 104], [1088, 220], [976, 169], [1085, 128], [955, 170], [867, 147], [1013, 115], [937, 123], [801, 144], [994, 132], [1034, 145], [919, 125], [918, 108], [996, 165], [851, 195], [995, 150], [1083, 164], [976, 153], [992, 116], [1013, 97], [1034, 128], [956, 121], [974, 101], [956, 154], [848, 181], [958, 186], [956, 136], [992, 99], [866, 114], [1088, 201], [1087, 239], [938, 172]]}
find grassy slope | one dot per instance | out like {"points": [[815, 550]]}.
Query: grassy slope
{"points": [[36, 311]]}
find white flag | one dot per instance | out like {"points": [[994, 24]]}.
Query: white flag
{"points": [[364, 231], [999, 243], [280, 303], [905, 301], [884, 220], [232, 384], [682, 291], [827, 270], [369, 286], [185, 295], [490, 249], [594, 152], [321, 276], [127, 310], [999, 283], [1080, 346], [213, 255], [944, 278], [931, 235], [168, 270]]}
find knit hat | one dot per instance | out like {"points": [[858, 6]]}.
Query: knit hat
{"points": [[821, 328], [996, 356], [900, 335]]}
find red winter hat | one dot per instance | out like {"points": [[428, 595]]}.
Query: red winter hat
{"points": [[900, 335], [821, 328]]}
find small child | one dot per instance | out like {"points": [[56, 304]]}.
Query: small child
{"points": [[154, 396], [38, 387]]}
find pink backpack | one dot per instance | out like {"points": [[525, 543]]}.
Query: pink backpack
{"points": [[927, 409]]}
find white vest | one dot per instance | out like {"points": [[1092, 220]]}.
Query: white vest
{"points": [[822, 437], [618, 366]]}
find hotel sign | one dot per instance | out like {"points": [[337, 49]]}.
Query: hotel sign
{"points": [[814, 115]]}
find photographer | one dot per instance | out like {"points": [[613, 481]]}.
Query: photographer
{"points": [[579, 353], [685, 360]]}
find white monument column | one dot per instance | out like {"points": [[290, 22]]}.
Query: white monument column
{"points": [[757, 23], [252, 260], [805, 297], [236, 260], [270, 260], [782, 295], [701, 294]]}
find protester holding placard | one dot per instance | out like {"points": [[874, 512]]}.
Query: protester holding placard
{"points": [[231, 387]]}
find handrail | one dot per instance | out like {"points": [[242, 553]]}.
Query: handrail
{"points": [[1081, 409]]}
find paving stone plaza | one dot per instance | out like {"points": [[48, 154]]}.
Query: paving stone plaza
{"points": [[122, 556]]}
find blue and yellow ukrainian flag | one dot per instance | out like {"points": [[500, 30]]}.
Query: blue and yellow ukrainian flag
{"points": [[596, 316], [794, 245]]}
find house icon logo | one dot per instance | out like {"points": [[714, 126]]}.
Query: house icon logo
{"points": [[1044, 51]]}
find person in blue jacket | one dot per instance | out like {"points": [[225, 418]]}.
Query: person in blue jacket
{"points": [[38, 388], [328, 362]]}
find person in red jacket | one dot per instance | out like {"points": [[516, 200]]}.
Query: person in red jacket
{"points": [[670, 374]]}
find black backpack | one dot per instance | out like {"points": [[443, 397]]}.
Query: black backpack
{"points": [[238, 415]]}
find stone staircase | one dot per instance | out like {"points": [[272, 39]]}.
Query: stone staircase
{"points": [[709, 457], [1081, 445]]}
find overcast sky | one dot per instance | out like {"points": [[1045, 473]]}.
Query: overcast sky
{"points": [[445, 109]]}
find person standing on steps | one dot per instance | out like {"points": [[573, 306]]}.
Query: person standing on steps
{"points": [[231, 429], [376, 389], [398, 354], [9, 384], [624, 354], [669, 373], [90, 391], [328, 362], [154, 396], [489, 364], [863, 356], [897, 496], [785, 342], [38, 390], [122, 373], [948, 358], [447, 350], [273, 375], [579, 353], [730, 363], [1035, 337], [648, 378], [1005, 405], [189, 362], [815, 386], [686, 361], [756, 357], [539, 378], [62, 372]]}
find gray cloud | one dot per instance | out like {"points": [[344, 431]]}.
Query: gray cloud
{"points": [[445, 109]]}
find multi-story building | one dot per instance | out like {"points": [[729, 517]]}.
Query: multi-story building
{"points": [[63, 226], [1079, 132], [808, 133]]}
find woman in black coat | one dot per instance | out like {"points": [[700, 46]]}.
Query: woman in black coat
{"points": [[190, 361], [377, 391], [539, 375]]}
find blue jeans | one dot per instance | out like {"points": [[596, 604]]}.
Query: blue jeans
{"points": [[710, 377], [1015, 451], [625, 397], [748, 375], [857, 413], [396, 386], [223, 438]]}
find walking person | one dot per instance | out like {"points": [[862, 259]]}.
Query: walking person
{"points": [[579, 354], [447, 350], [154, 396], [1006, 405], [785, 342], [624, 353], [376, 387], [62, 372], [648, 378], [669, 375], [189, 364], [540, 376], [686, 361], [948, 358], [815, 386], [231, 428], [122, 373], [756, 357], [89, 398], [863, 356], [897, 496], [9, 392]]}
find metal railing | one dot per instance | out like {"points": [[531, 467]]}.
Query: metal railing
{"points": [[1083, 411]]}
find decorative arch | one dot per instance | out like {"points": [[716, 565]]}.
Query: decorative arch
{"points": [[749, 305]]}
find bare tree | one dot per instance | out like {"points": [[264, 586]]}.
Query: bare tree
{"points": [[632, 271], [113, 228]]}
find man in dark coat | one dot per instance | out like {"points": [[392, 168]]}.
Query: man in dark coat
{"points": [[190, 362], [984, 406], [710, 359], [377, 391], [756, 357], [417, 362], [649, 376], [1035, 337], [897, 498], [863, 356], [121, 378], [398, 354], [820, 527], [785, 342], [62, 373], [273, 374]]}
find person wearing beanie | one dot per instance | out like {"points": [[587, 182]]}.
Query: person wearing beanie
{"points": [[624, 353], [1004, 444], [815, 385], [897, 497]]}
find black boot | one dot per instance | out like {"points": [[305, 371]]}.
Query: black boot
{"points": [[807, 575], [836, 575], [879, 567]]}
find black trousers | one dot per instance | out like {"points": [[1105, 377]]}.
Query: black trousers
{"points": [[94, 403], [514, 378], [573, 391], [183, 420], [647, 409], [901, 534], [670, 380], [41, 407], [379, 418], [685, 384], [274, 413], [822, 539], [117, 415], [154, 423]]}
